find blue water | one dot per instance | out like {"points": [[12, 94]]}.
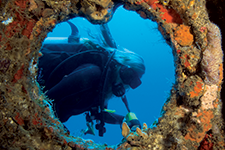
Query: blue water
{"points": [[141, 36]]}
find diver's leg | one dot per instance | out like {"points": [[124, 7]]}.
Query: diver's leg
{"points": [[85, 77], [67, 92]]}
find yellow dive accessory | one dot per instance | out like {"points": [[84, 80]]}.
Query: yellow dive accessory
{"points": [[109, 111], [130, 116]]}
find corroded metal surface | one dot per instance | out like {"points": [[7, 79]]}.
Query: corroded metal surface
{"points": [[191, 117]]}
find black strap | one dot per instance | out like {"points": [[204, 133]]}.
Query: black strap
{"points": [[102, 88]]}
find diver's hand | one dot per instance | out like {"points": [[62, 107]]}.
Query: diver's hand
{"points": [[132, 121]]}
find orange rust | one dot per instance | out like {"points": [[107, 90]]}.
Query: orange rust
{"points": [[221, 143], [183, 36], [193, 136], [168, 15], [19, 119], [21, 3], [205, 118], [186, 63], [197, 90], [193, 94], [30, 25], [206, 143], [221, 73], [215, 104], [36, 120], [199, 85], [171, 16], [194, 16], [64, 142], [179, 112], [20, 21], [191, 4], [18, 74]]}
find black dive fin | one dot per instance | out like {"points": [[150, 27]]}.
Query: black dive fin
{"points": [[107, 35], [74, 37]]}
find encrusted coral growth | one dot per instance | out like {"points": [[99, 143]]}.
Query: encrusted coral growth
{"points": [[212, 55], [207, 143], [183, 36], [209, 96], [97, 10], [191, 89], [191, 116]]}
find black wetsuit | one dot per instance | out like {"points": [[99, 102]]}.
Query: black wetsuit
{"points": [[71, 75]]}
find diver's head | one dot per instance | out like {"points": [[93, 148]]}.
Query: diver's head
{"points": [[130, 60], [129, 76], [128, 70]]}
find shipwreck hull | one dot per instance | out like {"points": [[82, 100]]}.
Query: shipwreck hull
{"points": [[191, 118]]}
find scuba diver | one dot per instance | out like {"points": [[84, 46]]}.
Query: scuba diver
{"points": [[81, 76]]}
